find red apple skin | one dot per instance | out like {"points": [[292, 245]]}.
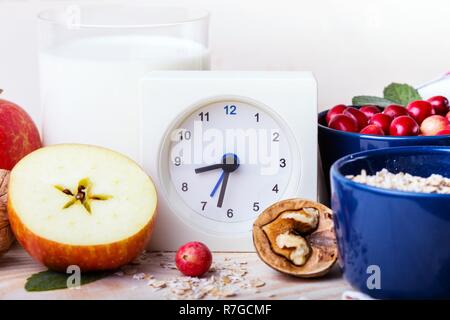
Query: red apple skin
{"points": [[383, 121], [372, 129], [420, 110], [404, 126], [369, 111], [339, 109], [343, 122], [359, 117], [18, 134], [395, 110], [439, 104], [433, 124], [193, 259], [58, 256]]}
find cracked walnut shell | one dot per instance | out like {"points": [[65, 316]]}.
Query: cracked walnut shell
{"points": [[6, 235], [296, 237]]}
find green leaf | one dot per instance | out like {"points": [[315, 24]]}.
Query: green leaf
{"points": [[370, 100], [51, 280], [401, 93]]}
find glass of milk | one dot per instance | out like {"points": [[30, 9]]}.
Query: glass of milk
{"points": [[92, 59]]}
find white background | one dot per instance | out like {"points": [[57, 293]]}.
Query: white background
{"points": [[352, 46]]}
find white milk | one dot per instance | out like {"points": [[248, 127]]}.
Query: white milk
{"points": [[90, 87]]}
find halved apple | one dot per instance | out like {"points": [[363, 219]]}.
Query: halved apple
{"points": [[81, 205]]}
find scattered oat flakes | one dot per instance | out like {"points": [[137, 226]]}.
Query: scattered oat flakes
{"points": [[139, 276], [257, 283], [158, 284], [226, 278]]}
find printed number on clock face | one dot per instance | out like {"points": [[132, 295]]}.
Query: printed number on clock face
{"points": [[230, 160]]}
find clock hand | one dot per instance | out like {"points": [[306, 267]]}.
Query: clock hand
{"points": [[230, 163], [226, 174], [213, 192], [209, 168]]}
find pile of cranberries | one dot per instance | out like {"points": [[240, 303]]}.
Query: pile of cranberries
{"points": [[427, 118]]}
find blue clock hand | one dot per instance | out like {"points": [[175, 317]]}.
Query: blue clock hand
{"points": [[213, 192]]}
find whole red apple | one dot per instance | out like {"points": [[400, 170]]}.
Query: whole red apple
{"points": [[339, 109], [439, 104], [369, 111], [432, 125], [382, 120], [360, 118], [395, 110], [18, 134], [372, 129], [193, 259], [419, 110], [404, 126]]}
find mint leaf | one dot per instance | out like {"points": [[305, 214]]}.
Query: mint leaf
{"points": [[401, 93], [51, 280], [370, 100]]}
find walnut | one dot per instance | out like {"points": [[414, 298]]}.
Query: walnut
{"points": [[296, 237], [6, 235]]}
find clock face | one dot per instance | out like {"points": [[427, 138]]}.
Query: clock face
{"points": [[229, 160]]}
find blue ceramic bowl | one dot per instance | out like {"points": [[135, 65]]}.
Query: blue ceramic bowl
{"points": [[334, 144], [400, 238]]}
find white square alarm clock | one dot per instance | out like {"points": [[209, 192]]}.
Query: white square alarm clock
{"points": [[221, 147]]}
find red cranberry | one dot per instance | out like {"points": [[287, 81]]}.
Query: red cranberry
{"points": [[369, 111], [395, 110], [439, 104], [372, 129], [404, 126], [359, 117], [193, 259], [433, 124], [448, 116], [420, 110], [383, 121], [343, 122], [444, 132], [339, 109]]}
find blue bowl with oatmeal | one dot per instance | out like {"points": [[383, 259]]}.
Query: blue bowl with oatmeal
{"points": [[392, 219]]}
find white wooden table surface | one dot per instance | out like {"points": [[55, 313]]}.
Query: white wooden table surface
{"points": [[16, 266]]}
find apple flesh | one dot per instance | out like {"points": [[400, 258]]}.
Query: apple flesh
{"points": [[193, 259], [434, 124], [18, 134], [81, 205]]}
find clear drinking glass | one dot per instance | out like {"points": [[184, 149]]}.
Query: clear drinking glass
{"points": [[92, 59]]}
